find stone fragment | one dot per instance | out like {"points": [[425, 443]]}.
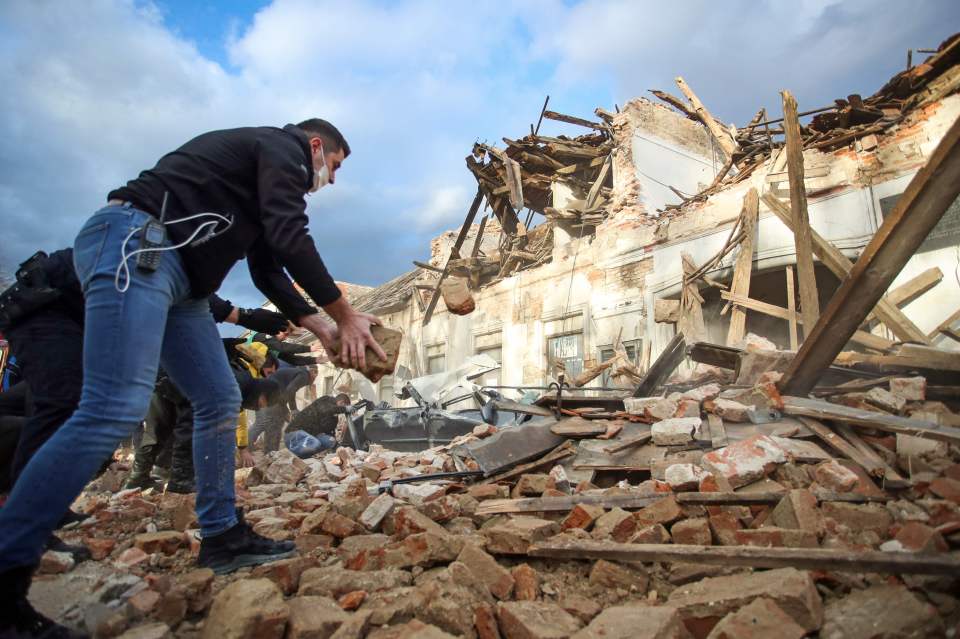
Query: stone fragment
{"points": [[441, 510], [143, 603], [676, 431], [920, 538], [514, 536], [355, 627], [683, 477], [527, 583], [450, 602], [495, 577], [688, 408], [314, 618], [580, 607], [456, 295], [724, 526], [99, 547], [702, 393], [131, 557], [746, 461], [413, 629], [885, 400], [352, 600], [702, 604], [635, 621], [947, 488], [247, 608], [196, 587], [880, 611], [759, 618], [911, 389], [336, 582], [664, 511], [53, 562], [560, 479], [798, 509], [607, 574], [394, 606], [857, 517], [286, 468], [730, 410], [105, 621], [331, 523], [653, 407], [155, 630], [407, 521], [695, 531], [488, 491], [172, 608], [652, 534], [285, 572], [422, 549], [616, 524], [485, 622], [773, 537], [531, 485], [481, 431], [535, 620], [834, 476], [582, 516]]}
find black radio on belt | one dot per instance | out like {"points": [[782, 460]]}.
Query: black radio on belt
{"points": [[153, 236]]}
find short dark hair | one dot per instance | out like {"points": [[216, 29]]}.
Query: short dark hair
{"points": [[333, 140], [270, 361], [343, 397]]}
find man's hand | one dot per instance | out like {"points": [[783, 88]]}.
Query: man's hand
{"points": [[262, 320], [326, 333], [355, 336], [246, 458]]}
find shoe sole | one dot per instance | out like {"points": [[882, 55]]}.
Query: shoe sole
{"points": [[243, 561]]}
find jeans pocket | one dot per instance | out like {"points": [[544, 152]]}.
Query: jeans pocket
{"points": [[88, 250]]}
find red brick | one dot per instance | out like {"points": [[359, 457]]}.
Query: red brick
{"points": [[166, 542], [515, 535], [746, 461], [352, 600], [724, 527], [610, 575], [99, 547], [692, 531], [582, 516], [485, 622], [535, 620], [832, 476], [920, 538], [777, 538], [663, 511], [527, 582], [946, 488], [759, 619], [653, 534], [616, 524], [495, 577]]}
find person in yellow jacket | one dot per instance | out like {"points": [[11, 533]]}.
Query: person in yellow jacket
{"points": [[253, 365]]}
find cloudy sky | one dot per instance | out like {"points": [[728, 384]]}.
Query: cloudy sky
{"points": [[95, 91]]}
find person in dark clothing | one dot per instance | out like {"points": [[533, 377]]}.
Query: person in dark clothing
{"points": [[270, 420], [321, 416], [289, 352], [169, 424], [221, 197]]}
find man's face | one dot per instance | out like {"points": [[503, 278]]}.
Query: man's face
{"points": [[262, 401], [268, 370], [321, 156]]}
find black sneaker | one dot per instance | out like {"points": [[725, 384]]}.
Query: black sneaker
{"points": [[71, 517], [239, 547], [79, 551]]}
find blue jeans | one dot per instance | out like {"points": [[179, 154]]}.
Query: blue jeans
{"points": [[125, 336]]}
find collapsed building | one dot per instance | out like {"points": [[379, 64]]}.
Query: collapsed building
{"points": [[576, 248]]}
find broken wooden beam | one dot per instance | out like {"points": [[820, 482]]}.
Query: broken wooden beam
{"points": [[640, 440], [840, 265], [819, 409], [922, 205], [801, 558], [720, 134], [792, 309], [564, 450], [569, 119], [666, 363], [915, 287], [740, 284], [809, 302], [843, 446]]}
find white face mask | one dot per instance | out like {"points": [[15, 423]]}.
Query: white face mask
{"points": [[321, 177]]}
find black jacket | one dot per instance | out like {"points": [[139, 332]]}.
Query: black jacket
{"points": [[257, 176]]}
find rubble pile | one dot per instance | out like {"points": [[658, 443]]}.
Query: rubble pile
{"points": [[555, 548]]}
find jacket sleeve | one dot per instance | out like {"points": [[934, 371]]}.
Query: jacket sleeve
{"points": [[268, 276], [282, 181], [282, 348], [219, 308]]}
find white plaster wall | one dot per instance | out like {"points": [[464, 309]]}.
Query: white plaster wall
{"points": [[660, 163]]}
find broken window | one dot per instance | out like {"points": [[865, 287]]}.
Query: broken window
{"points": [[634, 350], [565, 355], [491, 378], [436, 359]]}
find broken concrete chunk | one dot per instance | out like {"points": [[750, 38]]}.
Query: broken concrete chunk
{"points": [[664, 511], [920, 538], [527, 582], [745, 461], [834, 476], [773, 537], [702, 604], [535, 620], [635, 621], [514, 536], [683, 477], [695, 531], [798, 509], [336, 582], [674, 432], [610, 575], [617, 524], [885, 400], [910, 389], [378, 510], [759, 618], [652, 407], [880, 611], [495, 577], [314, 617], [456, 295], [247, 608], [730, 410]]}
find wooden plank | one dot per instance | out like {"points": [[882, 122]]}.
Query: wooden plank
{"points": [[719, 133], [691, 323], [428, 267], [675, 102], [842, 445], [575, 427], [516, 407], [819, 409], [454, 252], [792, 309], [915, 287], [928, 196], [839, 265], [902, 362], [861, 337], [479, 239], [715, 355], [945, 324], [564, 504], [595, 189], [564, 450], [718, 434], [801, 558], [809, 302], [740, 283], [891, 478], [569, 119], [661, 369], [628, 443]]}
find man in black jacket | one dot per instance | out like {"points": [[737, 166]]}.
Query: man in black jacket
{"points": [[146, 263]]}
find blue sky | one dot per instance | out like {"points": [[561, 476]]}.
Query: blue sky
{"points": [[96, 91]]}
